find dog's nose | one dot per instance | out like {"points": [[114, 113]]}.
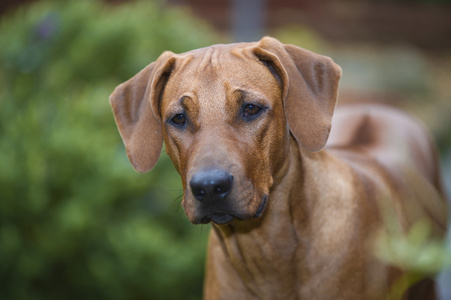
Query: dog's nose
{"points": [[210, 185]]}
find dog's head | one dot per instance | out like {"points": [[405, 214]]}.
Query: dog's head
{"points": [[226, 113]]}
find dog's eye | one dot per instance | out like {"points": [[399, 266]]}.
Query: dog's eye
{"points": [[251, 110], [179, 120]]}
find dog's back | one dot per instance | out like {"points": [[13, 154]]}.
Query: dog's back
{"points": [[395, 145], [403, 150]]}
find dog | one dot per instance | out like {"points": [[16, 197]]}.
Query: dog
{"points": [[246, 126]]}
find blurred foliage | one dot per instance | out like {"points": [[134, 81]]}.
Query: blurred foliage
{"points": [[416, 251], [300, 36], [419, 250], [76, 221]]}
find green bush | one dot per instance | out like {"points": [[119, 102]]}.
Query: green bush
{"points": [[76, 221]]}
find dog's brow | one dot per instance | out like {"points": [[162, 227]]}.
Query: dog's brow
{"points": [[240, 95], [188, 102], [184, 100]]}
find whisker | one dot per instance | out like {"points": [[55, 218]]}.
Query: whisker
{"points": [[176, 203]]}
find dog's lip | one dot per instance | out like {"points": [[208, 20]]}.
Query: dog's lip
{"points": [[218, 218], [261, 208], [223, 218]]}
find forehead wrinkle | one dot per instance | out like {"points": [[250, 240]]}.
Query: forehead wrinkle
{"points": [[207, 60], [183, 62], [212, 58]]}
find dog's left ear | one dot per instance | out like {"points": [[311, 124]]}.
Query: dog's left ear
{"points": [[310, 89]]}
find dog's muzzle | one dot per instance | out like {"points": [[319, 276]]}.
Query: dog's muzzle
{"points": [[212, 188]]}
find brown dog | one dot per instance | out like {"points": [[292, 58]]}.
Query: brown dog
{"points": [[243, 125]]}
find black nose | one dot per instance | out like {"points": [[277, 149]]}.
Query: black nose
{"points": [[210, 185]]}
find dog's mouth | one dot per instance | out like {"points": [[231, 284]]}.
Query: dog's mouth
{"points": [[218, 218], [224, 218], [261, 208]]}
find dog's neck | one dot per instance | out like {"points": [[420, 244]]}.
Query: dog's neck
{"points": [[297, 245], [260, 250]]}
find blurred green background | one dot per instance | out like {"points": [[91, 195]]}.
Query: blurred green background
{"points": [[76, 221]]}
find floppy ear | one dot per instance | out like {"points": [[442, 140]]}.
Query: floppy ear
{"points": [[310, 89], [136, 110]]}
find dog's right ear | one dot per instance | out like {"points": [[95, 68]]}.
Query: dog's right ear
{"points": [[136, 105], [310, 89]]}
